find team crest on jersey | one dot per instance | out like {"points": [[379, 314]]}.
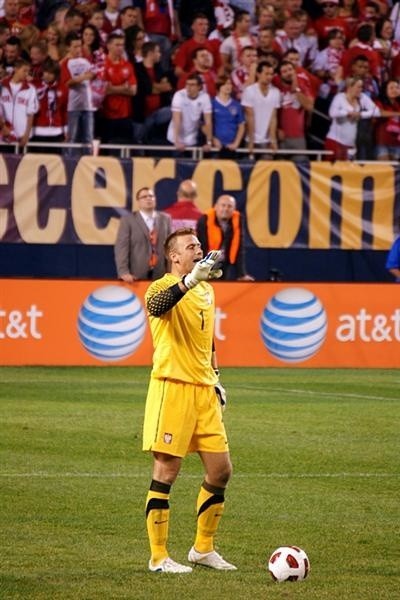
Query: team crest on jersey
{"points": [[167, 438]]}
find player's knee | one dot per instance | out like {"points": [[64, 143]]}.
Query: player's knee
{"points": [[166, 469], [224, 475]]}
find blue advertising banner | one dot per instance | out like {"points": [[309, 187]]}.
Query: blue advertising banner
{"points": [[52, 200]]}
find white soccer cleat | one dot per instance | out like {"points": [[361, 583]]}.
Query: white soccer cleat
{"points": [[169, 566], [213, 560]]}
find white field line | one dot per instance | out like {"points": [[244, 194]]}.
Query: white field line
{"points": [[66, 475], [336, 395], [251, 388]]}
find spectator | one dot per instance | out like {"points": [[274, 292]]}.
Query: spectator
{"points": [[245, 73], [55, 46], [92, 45], [393, 259], [129, 17], [18, 104], [73, 22], [85, 7], [350, 12], [346, 110], [266, 17], [330, 20], [184, 212], [266, 43], [360, 68], [388, 48], [365, 141], [117, 105], [28, 36], [4, 34], [92, 50], [228, 119], [139, 247], [395, 18], [291, 7], [184, 56], [188, 12], [303, 74], [56, 16], [152, 111], [189, 107], [221, 228], [112, 18], [261, 101], [231, 47], [12, 19], [27, 11], [308, 38], [371, 12], [291, 37], [50, 121], [97, 19], [296, 101], [362, 46], [76, 75], [135, 37], [159, 20], [38, 54], [224, 16], [12, 53], [327, 62], [202, 65], [387, 133]]}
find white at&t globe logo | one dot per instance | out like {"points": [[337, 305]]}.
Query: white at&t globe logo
{"points": [[293, 325], [111, 323]]}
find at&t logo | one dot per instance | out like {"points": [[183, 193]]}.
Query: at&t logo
{"points": [[111, 323], [293, 325]]}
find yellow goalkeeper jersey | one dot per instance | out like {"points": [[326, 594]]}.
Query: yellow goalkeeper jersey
{"points": [[183, 336]]}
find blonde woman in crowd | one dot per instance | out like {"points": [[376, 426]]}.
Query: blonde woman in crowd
{"points": [[346, 111], [55, 46]]}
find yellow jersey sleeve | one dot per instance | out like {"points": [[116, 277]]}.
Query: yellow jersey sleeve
{"points": [[182, 336]]}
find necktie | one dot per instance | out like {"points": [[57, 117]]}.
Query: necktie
{"points": [[153, 242]]}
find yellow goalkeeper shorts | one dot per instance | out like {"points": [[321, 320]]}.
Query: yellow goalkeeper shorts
{"points": [[181, 418]]}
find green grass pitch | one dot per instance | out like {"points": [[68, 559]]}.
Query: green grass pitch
{"points": [[316, 464]]}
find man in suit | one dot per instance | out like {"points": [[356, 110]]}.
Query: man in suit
{"points": [[139, 247]]}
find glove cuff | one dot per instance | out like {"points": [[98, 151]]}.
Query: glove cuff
{"points": [[188, 282]]}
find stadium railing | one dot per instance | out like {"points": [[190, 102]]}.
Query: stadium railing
{"points": [[126, 151]]}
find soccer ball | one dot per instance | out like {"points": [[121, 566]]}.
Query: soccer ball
{"points": [[288, 563]]}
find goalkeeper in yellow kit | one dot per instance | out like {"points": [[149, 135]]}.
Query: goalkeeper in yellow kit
{"points": [[184, 401]]}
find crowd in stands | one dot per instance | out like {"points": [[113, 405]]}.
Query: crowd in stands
{"points": [[293, 75]]}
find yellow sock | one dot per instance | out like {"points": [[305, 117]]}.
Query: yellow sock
{"points": [[210, 506], [157, 517]]}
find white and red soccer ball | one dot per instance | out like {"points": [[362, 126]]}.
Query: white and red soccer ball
{"points": [[289, 563]]}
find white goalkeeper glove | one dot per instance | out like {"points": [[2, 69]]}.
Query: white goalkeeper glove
{"points": [[203, 270], [220, 391]]}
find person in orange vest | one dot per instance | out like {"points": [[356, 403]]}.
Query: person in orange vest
{"points": [[221, 228]]}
